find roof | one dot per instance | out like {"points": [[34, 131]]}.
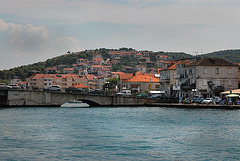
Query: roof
{"points": [[90, 76], [51, 69], [118, 73], [211, 62], [97, 59], [140, 66], [143, 78], [38, 76], [96, 66], [68, 69], [125, 76], [80, 86], [172, 67]]}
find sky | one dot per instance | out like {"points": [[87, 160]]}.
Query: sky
{"points": [[37, 30]]}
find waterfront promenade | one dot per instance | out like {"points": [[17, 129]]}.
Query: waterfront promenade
{"points": [[18, 98], [194, 105]]}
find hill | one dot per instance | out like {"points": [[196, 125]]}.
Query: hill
{"points": [[229, 55], [70, 58]]}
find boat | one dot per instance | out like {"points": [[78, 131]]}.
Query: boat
{"points": [[75, 103]]}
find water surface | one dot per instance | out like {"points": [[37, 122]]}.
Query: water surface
{"points": [[119, 134]]}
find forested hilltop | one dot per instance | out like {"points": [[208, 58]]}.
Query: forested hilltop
{"points": [[70, 58], [230, 55]]}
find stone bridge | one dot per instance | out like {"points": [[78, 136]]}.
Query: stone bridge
{"points": [[21, 98]]}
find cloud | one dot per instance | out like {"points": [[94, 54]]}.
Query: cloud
{"points": [[127, 11], [24, 44], [26, 38], [70, 42]]}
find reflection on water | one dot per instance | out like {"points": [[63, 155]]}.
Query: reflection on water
{"points": [[119, 134]]}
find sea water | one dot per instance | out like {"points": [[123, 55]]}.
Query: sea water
{"points": [[139, 133]]}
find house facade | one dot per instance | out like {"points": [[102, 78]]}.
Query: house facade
{"points": [[208, 77], [142, 82]]}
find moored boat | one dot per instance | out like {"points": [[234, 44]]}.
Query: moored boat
{"points": [[75, 103]]}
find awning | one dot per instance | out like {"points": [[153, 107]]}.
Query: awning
{"points": [[235, 91], [185, 80], [157, 92], [232, 95]]}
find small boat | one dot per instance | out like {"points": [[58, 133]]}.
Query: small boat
{"points": [[75, 103]]}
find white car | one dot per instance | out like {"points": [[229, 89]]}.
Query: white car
{"points": [[14, 86], [124, 93], [53, 88], [207, 101], [4, 86]]}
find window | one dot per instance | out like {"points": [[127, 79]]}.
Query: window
{"points": [[229, 82], [217, 83], [217, 70], [134, 86], [229, 70], [190, 71], [157, 86], [205, 82], [204, 70]]}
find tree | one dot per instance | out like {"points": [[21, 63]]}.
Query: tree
{"points": [[110, 84]]}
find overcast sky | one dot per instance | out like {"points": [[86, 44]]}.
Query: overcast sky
{"points": [[36, 30]]}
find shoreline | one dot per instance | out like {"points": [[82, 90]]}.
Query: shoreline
{"points": [[167, 105]]}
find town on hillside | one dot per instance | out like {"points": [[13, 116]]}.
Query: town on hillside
{"points": [[138, 73]]}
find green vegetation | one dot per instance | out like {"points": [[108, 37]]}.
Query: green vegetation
{"points": [[110, 84], [70, 58], [229, 55]]}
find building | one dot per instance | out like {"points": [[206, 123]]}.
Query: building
{"points": [[141, 82], [167, 79], [68, 70], [64, 80], [162, 57], [51, 71], [163, 64], [238, 75], [208, 77], [127, 69], [141, 68]]}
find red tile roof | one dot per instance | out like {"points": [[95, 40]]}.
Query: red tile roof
{"points": [[51, 69], [96, 66], [143, 78], [68, 69], [80, 86]]}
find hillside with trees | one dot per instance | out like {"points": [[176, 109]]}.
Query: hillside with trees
{"points": [[229, 55], [70, 58]]}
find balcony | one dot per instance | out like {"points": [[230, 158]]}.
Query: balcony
{"points": [[176, 88], [188, 86], [164, 78], [178, 76]]}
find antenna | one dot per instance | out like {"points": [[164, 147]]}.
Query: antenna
{"points": [[195, 54]]}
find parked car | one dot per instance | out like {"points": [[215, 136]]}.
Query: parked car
{"points": [[198, 100], [14, 86], [125, 93], [217, 99], [97, 92], [53, 88], [155, 96], [73, 90], [207, 101], [142, 95], [4, 86]]}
